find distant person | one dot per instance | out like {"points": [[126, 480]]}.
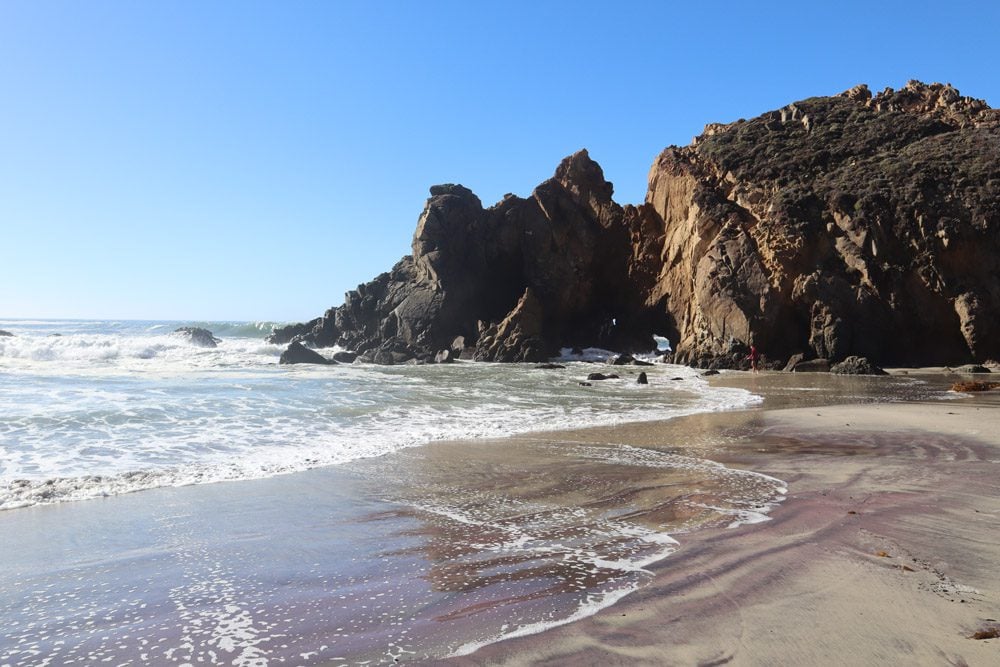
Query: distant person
{"points": [[754, 358]]}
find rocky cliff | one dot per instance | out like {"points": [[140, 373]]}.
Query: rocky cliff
{"points": [[857, 224]]}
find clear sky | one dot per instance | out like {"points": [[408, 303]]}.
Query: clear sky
{"points": [[245, 160]]}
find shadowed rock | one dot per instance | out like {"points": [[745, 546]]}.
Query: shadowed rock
{"points": [[856, 366], [811, 366], [297, 353]]}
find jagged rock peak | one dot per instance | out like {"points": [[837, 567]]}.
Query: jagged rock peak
{"points": [[859, 93], [453, 189], [938, 99], [449, 189], [919, 97], [583, 177]]}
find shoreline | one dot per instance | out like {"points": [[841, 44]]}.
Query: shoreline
{"points": [[883, 553]]}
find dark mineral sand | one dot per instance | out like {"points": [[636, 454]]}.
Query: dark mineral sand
{"points": [[428, 552]]}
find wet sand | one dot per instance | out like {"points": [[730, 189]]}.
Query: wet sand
{"points": [[885, 552]]}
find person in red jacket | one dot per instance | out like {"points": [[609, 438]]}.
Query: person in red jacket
{"points": [[754, 358]]}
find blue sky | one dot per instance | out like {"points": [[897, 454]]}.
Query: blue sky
{"points": [[244, 160]]}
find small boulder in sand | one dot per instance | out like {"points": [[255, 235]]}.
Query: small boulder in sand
{"points": [[856, 366]]}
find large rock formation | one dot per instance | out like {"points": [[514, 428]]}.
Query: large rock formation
{"points": [[836, 226], [515, 280]]}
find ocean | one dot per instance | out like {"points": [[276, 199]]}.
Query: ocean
{"points": [[352, 514]]}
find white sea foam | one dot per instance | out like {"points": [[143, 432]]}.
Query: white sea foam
{"points": [[606, 544], [590, 354], [98, 412], [590, 606], [72, 443]]}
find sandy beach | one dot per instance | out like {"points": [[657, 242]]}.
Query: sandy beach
{"points": [[885, 551]]}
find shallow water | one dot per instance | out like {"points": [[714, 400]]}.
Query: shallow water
{"points": [[421, 554], [109, 408]]}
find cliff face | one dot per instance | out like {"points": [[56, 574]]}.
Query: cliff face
{"points": [[835, 226], [838, 226]]}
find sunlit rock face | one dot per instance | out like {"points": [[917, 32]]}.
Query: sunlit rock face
{"points": [[854, 225], [838, 226]]}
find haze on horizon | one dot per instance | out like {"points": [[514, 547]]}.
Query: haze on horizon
{"points": [[252, 161]]}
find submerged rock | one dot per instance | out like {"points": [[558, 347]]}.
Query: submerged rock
{"points": [[642, 379], [628, 360], [198, 336], [602, 376], [444, 357], [972, 368], [5, 333]]}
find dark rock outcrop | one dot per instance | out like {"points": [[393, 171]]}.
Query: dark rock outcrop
{"points": [[628, 360], [198, 336], [856, 366], [285, 334], [642, 379], [5, 333], [853, 225], [810, 366], [514, 281], [601, 376], [297, 353], [519, 337], [345, 357]]}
